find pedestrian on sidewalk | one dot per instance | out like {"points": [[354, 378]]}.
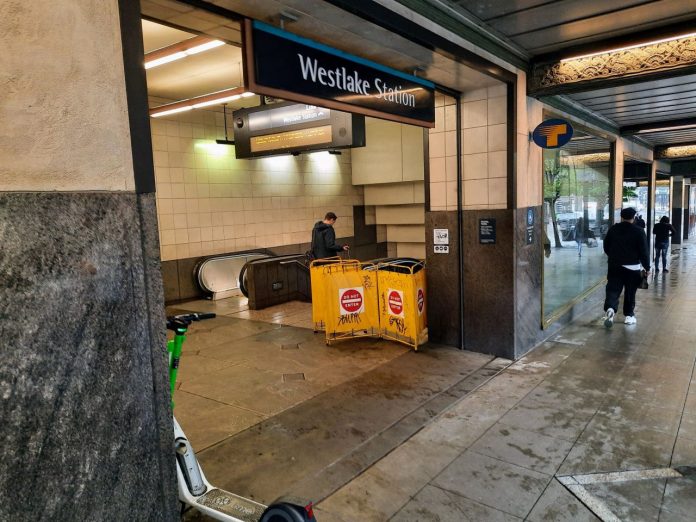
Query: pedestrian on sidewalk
{"points": [[663, 231], [627, 248], [579, 234], [640, 221]]}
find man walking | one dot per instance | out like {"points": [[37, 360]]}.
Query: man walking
{"points": [[663, 231], [627, 248], [324, 238]]}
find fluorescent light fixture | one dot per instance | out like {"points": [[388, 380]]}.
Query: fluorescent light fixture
{"points": [[247, 94], [180, 50], [644, 44], [164, 59], [204, 47], [664, 129], [215, 98], [172, 111], [216, 101]]}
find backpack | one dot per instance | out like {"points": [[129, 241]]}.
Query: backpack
{"points": [[309, 254]]}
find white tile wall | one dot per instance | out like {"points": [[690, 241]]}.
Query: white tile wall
{"points": [[209, 202], [484, 147]]}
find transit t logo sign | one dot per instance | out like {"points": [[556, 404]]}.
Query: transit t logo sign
{"points": [[552, 134]]}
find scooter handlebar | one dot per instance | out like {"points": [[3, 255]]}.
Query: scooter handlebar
{"points": [[177, 321]]}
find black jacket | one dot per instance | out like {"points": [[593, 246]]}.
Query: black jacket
{"points": [[626, 244], [663, 231], [324, 241]]}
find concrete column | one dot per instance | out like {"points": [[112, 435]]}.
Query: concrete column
{"points": [[84, 402], [650, 218], [677, 197]]}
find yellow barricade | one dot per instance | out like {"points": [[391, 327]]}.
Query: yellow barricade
{"points": [[402, 306], [351, 297], [318, 272]]}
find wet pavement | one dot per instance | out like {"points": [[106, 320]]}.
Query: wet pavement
{"points": [[594, 424], [589, 426]]}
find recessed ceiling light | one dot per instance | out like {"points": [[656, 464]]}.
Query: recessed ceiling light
{"points": [[644, 44], [180, 50]]}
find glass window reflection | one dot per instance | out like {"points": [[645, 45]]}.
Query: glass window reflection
{"points": [[577, 214]]}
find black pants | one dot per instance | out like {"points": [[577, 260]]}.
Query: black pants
{"points": [[618, 279]]}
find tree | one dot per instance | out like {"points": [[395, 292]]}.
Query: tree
{"points": [[555, 175]]}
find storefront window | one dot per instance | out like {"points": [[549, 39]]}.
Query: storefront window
{"points": [[662, 199], [577, 216]]}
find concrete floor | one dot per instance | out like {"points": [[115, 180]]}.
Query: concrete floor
{"points": [[589, 426]]}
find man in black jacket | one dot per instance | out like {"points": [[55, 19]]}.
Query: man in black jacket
{"points": [[324, 238], [627, 248]]}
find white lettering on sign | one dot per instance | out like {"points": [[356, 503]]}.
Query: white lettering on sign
{"points": [[351, 300], [394, 95], [342, 79], [395, 299]]}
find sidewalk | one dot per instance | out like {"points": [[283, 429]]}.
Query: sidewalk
{"points": [[562, 429]]}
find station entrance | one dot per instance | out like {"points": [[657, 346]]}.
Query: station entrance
{"points": [[258, 387]]}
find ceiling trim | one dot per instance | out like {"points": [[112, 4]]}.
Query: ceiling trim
{"points": [[621, 66], [625, 40], [675, 151]]}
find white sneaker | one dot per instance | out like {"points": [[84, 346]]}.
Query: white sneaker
{"points": [[609, 317], [630, 319]]}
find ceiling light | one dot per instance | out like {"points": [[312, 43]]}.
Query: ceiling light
{"points": [[204, 47], [164, 59], [172, 111], [664, 129], [180, 50], [215, 98], [216, 101], [644, 44]]}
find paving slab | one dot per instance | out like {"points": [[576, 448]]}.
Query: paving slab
{"points": [[433, 504], [524, 448], [494, 483], [557, 504]]}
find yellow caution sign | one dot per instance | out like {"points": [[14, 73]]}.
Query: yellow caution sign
{"points": [[402, 303]]}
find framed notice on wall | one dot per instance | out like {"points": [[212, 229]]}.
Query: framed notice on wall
{"points": [[487, 231]]}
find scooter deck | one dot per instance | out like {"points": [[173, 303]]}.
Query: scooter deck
{"points": [[230, 504]]}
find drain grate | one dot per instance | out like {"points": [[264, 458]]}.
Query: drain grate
{"points": [[290, 346], [287, 377]]}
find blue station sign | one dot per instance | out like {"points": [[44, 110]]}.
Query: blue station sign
{"points": [[290, 67], [553, 134]]}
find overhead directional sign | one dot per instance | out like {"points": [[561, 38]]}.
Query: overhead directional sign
{"points": [[553, 134], [287, 66]]}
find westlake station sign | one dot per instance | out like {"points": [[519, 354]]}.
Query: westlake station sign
{"points": [[283, 65]]}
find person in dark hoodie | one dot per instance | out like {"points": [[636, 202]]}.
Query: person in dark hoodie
{"points": [[324, 238], [663, 231], [627, 248]]}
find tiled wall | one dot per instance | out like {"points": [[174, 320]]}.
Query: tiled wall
{"points": [[209, 202], [484, 148], [392, 167]]}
